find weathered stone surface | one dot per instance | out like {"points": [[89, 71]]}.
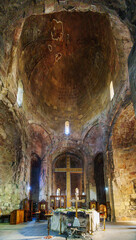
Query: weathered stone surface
{"points": [[66, 56], [132, 73], [71, 97], [11, 162], [124, 147]]}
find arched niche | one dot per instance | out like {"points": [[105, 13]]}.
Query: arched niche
{"points": [[35, 179], [60, 179]]}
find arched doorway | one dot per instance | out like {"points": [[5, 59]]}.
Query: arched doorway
{"points": [[35, 179], [99, 178], [68, 175]]}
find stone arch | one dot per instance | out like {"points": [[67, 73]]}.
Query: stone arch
{"points": [[94, 139], [40, 140], [77, 180], [69, 150]]}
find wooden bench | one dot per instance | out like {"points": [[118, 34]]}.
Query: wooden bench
{"points": [[17, 216]]}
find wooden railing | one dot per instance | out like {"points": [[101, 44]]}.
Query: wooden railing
{"points": [[57, 201]]}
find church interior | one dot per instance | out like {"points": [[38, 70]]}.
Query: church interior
{"points": [[68, 106]]}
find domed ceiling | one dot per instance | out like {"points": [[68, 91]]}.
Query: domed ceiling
{"points": [[66, 62]]}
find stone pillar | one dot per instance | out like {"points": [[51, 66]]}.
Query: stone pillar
{"points": [[110, 184], [49, 183], [106, 176]]}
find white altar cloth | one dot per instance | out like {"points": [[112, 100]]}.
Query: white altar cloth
{"points": [[95, 218], [55, 221]]}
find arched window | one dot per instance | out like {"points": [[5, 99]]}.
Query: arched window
{"points": [[67, 129], [111, 91], [20, 94]]}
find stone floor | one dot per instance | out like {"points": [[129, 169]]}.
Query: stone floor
{"points": [[36, 231], [116, 231]]}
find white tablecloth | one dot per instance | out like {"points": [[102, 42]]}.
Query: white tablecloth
{"points": [[55, 221], [95, 218]]}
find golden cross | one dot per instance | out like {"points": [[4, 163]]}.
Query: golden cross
{"points": [[68, 170], [77, 201]]}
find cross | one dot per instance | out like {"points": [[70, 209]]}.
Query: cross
{"points": [[77, 201], [68, 170]]}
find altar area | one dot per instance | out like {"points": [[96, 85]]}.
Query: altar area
{"points": [[62, 219], [69, 198]]}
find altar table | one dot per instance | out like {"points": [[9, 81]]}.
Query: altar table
{"points": [[66, 219]]}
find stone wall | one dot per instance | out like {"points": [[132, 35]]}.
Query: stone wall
{"points": [[40, 146], [94, 143], [124, 160], [14, 165], [132, 73], [14, 154]]}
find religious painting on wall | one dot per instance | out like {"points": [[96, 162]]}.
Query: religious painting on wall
{"points": [[42, 206], [93, 205]]}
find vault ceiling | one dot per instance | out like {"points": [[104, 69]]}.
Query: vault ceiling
{"points": [[66, 61]]}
